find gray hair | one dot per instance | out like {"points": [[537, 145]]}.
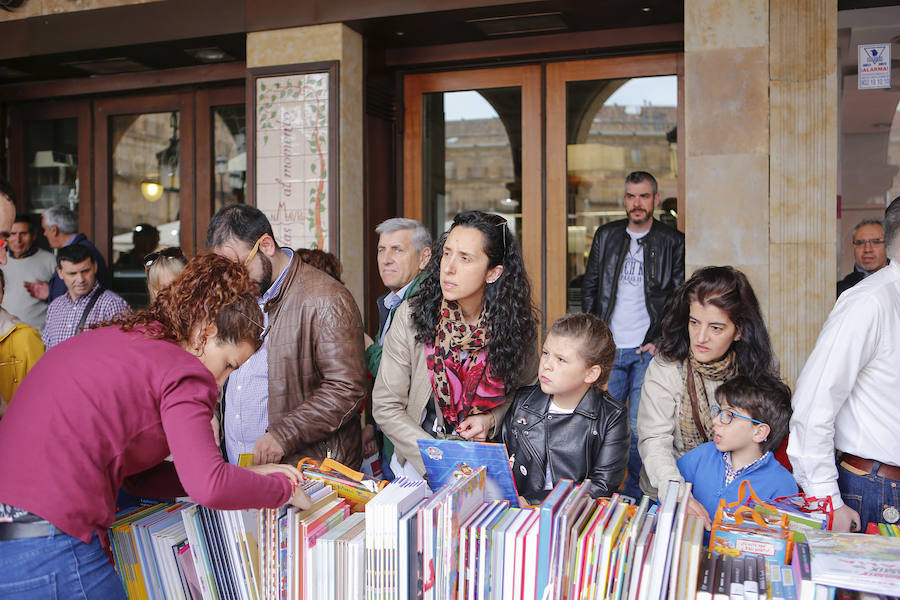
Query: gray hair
{"points": [[421, 238], [892, 227], [64, 219], [865, 222]]}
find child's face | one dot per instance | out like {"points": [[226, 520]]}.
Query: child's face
{"points": [[740, 433], [562, 371]]}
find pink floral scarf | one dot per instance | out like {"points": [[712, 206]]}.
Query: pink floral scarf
{"points": [[462, 386]]}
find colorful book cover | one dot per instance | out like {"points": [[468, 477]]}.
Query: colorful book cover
{"points": [[446, 460], [865, 563], [549, 508]]}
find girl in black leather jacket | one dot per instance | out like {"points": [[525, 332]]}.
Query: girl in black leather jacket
{"points": [[568, 427]]}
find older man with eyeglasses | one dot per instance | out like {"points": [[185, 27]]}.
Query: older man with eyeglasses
{"points": [[299, 395], [868, 251]]}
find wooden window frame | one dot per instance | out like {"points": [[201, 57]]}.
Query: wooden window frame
{"points": [[556, 215], [528, 78], [104, 108], [70, 109]]}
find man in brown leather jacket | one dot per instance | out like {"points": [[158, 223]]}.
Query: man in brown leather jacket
{"points": [[299, 395]]}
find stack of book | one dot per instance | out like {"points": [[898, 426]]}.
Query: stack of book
{"points": [[186, 551], [457, 544]]}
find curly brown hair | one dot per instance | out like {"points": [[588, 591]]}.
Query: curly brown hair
{"points": [[210, 289]]}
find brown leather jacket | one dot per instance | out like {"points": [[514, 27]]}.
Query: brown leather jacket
{"points": [[317, 370]]}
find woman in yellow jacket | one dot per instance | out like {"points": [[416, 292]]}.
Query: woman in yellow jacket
{"points": [[20, 348]]}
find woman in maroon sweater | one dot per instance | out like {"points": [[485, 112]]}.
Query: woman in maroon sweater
{"points": [[104, 409]]}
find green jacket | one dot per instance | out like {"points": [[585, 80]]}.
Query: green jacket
{"points": [[373, 352]]}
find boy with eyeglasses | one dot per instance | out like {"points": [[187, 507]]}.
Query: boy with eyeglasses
{"points": [[748, 425]]}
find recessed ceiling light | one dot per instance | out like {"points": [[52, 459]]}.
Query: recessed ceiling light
{"points": [[208, 55], [646, 9], [400, 33]]}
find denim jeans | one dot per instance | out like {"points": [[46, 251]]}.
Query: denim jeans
{"points": [[625, 383], [868, 494], [57, 566]]}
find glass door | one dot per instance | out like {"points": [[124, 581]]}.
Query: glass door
{"points": [[51, 161], [605, 119], [145, 182], [472, 142]]}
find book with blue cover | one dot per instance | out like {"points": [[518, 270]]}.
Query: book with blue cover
{"points": [[447, 460]]}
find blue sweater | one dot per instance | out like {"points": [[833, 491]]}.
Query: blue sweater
{"points": [[704, 466]]}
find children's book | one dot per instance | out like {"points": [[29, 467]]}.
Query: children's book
{"points": [[865, 563], [446, 460]]}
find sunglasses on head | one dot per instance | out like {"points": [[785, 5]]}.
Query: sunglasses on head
{"points": [[167, 253]]}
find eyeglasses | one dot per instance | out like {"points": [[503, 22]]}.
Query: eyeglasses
{"points": [[265, 330], [167, 253], [874, 242], [254, 250], [727, 416]]}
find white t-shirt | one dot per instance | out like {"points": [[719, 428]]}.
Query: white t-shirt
{"points": [[630, 320], [553, 410]]}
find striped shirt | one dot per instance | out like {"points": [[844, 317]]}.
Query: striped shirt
{"points": [[63, 315], [731, 473], [247, 393]]}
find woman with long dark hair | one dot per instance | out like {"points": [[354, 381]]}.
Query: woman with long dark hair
{"points": [[712, 329], [104, 409], [457, 351]]}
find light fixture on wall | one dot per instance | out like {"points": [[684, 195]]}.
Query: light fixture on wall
{"points": [[166, 179], [151, 190]]}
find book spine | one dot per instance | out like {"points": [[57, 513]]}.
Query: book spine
{"points": [[723, 577], [751, 582], [761, 579], [736, 591], [706, 582]]}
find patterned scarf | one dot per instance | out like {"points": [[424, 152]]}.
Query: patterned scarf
{"points": [[461, 386], [696, 372]]}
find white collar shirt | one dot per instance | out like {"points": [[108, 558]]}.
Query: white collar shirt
{"points": [[846, 396]]}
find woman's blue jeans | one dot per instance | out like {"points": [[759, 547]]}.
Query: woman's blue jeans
{"points": [[57, 566]]}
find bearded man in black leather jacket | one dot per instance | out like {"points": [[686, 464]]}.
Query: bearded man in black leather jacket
{"points": [[634, 265]]}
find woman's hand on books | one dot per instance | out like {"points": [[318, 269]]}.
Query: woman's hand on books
{"points": [[698, 510], [294, 476], [300, 499], [476, 427]]}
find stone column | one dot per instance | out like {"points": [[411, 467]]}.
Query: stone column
{"points": [[760, 173], [802, 175], [319, 43]]}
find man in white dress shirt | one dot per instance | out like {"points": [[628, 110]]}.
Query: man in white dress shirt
{"points": [[846, 400]]}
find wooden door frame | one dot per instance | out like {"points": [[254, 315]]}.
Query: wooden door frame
{"points": [[205, 101], [556, 214], [529, 79], [105, 108], [69, 109]]}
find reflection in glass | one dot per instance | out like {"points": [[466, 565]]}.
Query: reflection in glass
{"points": [[472, 155], [230, 152], [51, 174], [145, 187], [614, 127]]}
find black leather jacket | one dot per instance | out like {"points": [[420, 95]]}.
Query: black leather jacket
{"points": [[591, 443], [663, 270]]}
